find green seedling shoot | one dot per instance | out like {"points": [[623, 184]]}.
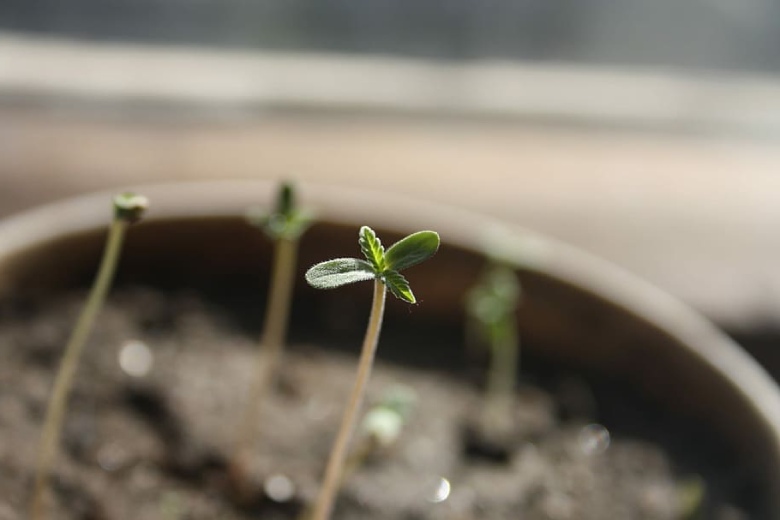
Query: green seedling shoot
{"points": [[284, 226], [128, 208], [491, 308], [379, 431], [381, 427], [384, 268], [691, 497]]}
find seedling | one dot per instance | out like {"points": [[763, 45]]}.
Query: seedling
{"points": [[128, 208], [691, 498], [380, 429], [284, 226], [491, 307], [384, 268]]}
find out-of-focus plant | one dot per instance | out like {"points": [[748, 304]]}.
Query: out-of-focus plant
{"points": [[491, 307], [128, 208], [284, 225]]}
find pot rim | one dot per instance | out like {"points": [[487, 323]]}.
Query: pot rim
{"points": [[463, 228]]}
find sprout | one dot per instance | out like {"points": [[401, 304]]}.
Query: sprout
{"points": [[383, 267], [491, 307], [382, 424], [128, 208], [691, 498], [284, 226], [381, 427]]}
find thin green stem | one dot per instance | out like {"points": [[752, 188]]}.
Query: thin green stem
{"points": [[269, 354], [330, 484], [55, 412], [501, 376]]}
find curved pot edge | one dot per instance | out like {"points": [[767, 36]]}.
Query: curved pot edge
{"points": [[461, 228]]}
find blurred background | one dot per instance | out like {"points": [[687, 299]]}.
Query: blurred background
{"points": [[644, 132]]}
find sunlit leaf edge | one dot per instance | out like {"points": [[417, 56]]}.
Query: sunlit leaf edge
{"points": [[399, 286], [339, 271], [372, 248], [412, 250]]}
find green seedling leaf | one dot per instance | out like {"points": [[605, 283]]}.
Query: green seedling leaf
{"points": [[287, 221], [496, 296], [338, 272], [399, 398], [130, 207], [385, 421], [399, 286], [372, 248], [412, 250], [285, 201]]}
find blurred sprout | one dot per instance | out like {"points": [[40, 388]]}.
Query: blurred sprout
{"points": [[127, 209], [381, 429], [691, 493], [284, 226], [286, 221], [491, 308], [383, 423]]}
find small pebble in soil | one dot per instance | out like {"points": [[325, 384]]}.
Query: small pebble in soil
{"points": [[135, 358], [112, 457], [594, 439], [279, 488]]}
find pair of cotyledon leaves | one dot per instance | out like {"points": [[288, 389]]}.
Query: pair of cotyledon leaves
{"points": [[379, 264]]}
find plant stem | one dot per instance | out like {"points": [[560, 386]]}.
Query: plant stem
{"points": [[353, 461], [338, 454], [501, 377], [55, 412], [270, 352]]}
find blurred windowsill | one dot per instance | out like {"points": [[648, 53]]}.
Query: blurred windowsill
{"points": [[199, 77], [697, 216]]}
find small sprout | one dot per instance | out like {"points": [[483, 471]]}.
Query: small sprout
{"points": [[381, 427], [691, 495], [287, 221], [285, 227], [383, 267], [383, 423], [380, 265], [128, 208], [491, 307]]}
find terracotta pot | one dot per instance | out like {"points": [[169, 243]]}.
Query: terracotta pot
{"points": [[577, 310]]}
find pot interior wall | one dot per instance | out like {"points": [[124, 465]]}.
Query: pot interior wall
{"points": [[560, 322]]}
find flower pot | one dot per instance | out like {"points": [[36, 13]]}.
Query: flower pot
{"points": [[578, 312]]}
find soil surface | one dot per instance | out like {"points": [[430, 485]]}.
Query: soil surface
{"points": [[153, 444]]}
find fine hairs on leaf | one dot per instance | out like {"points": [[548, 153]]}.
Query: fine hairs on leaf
{"points": [[338, 272], [284, 226], [128, 208], [330, 274]]}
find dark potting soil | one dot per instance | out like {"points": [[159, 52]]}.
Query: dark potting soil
{"points": [[147, 437]]}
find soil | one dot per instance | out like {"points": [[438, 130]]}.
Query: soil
{"points": [[154, 446]]}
